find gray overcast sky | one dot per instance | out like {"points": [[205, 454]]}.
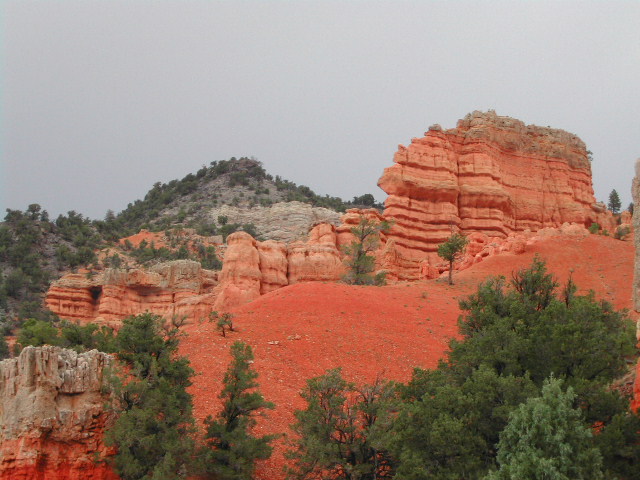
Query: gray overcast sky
{"points": [[100, 99]]}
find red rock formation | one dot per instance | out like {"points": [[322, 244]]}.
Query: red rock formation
{"points": [[491, 174], [273, 265], [52, 416], [316, 260], [114, 294], [240, 277]]}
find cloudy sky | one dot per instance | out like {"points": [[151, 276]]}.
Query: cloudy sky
{"points": [[100, 99]]}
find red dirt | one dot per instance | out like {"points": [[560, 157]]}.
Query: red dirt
{"points": [[302, 330]]}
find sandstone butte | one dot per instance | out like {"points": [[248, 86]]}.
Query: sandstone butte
{"points": [[492, 175], [512, 189]]}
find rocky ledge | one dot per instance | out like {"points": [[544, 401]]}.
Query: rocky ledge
{"points": [[52, 415]]}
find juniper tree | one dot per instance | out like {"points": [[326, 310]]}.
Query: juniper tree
{"points": [[342, 432], [153, 431], [547, 438], [512, 338], [451, 250], [231, 448]]}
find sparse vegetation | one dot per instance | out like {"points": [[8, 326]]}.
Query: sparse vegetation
{"points": [[451, 251], [621, 232], [224, 322], [614, 202], [359, 261], [231, 448]]}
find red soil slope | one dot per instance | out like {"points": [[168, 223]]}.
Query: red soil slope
{"points": [[302, 330]]}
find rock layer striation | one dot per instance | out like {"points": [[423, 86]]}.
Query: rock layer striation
{"points": [[491, 174], [166, 289]]}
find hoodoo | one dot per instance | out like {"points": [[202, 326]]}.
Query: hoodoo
{"points": [[491, 174]]}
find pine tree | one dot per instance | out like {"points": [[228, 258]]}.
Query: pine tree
{"points": [[512, 340], [153, 431], [4, 348], [232, 450], [451, 250], [546, 438], [359, 261], [614, 202]]}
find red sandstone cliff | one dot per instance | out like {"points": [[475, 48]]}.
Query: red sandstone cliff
{"points": [[166, 289], [184, 288], [493, 178], [52, 415], [491, 174]]}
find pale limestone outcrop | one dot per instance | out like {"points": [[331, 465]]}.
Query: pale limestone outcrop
{"points": [[283, 222], [52, 415]]}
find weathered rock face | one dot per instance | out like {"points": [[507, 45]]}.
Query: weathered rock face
{"points": [[273, 265], [491, 174], [317, 260], [253, 268], [635, 193], [182, 288], [52, 416], [241, 276], [282, 222], [166, 289]]}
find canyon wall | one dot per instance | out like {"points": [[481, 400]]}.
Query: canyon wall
{"points": [[183, 288], [166, 289], [491, 174], [52, 415]]}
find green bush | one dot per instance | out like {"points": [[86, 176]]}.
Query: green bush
{"points": [[153, 432], [231, 448], [513, 338]]}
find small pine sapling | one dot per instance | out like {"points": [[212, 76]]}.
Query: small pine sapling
{"points": [[223, 321], [451, 250]]}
